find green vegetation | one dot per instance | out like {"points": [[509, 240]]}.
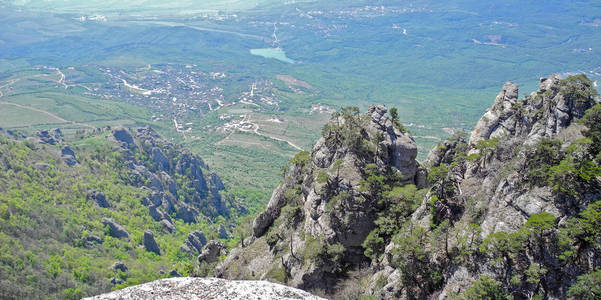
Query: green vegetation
{"points": [[50, 230], [400, 203], [485, 288], [394, 115], [579, 88], [547, 153], [588, 287], [486, 148], [420, 275], [592, 120]]}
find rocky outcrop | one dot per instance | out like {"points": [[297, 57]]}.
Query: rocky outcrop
{"points": [[150, 244], [119, 266], [68, 156], [116, 281], [122, 135], [168, 226], [542, 114], [115, 230], [159, 158], [486, 191], [212, 251], [317, 219], [99, 198], [195, 242], [492, 119], [208, 288], [352, 209], [91, 240], [51, 137], [154, 163]]}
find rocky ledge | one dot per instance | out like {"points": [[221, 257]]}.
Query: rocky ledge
{"points": [[207, 288]]}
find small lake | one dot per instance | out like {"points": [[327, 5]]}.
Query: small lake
{"points": [[275, 53]]}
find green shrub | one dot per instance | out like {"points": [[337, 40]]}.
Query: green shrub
{"points": [[335, 252], [579, 89], [541, 222], [301, 158], [438, 173], [315, 248], [487, 288], [278, 272], [592, 120], [547, 154], [373, 244], [587, 287]]}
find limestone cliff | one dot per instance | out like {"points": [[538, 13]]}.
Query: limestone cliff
{"points": [[169, 173], [316, 221], [509, 210], [490, 194]]}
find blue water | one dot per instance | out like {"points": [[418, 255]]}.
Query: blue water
{"points": [[275, 53]]}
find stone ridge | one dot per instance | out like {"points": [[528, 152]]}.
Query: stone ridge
{"points": [[155, 164], [317, 219], [541, 114], [207, 288]]}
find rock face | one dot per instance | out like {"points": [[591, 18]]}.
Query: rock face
{"points": [[324, 204], [154, 163], [169, 161], [492, 119], [122, 135], [51, 137], [499, 204], [543, 114], [115, 230], [195, 242], [150, 244], [212, 251], [491, 190], [93, 239], [119, 266], [208, 288], [68, 156], [99, 198]]}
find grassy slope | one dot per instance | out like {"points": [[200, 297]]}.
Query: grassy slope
{"points": [[44, 215]]}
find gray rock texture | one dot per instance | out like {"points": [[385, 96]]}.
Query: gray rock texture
{"points": [[207, 288], [154, 163], [321, 202], [122, 135], [479, 199], [99, 198], [115, 230], [150, 244], [195, 242], [212, 251], [51, 137], [68, 156], [119, 266]]}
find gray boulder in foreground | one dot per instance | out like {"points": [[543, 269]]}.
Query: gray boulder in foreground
{"points": [[207, 288]]}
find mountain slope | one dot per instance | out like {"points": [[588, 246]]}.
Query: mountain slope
{"points": [[109, 208], [513, 211]]}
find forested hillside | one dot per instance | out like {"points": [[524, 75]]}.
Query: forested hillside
{"points": [[103, 210]]}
